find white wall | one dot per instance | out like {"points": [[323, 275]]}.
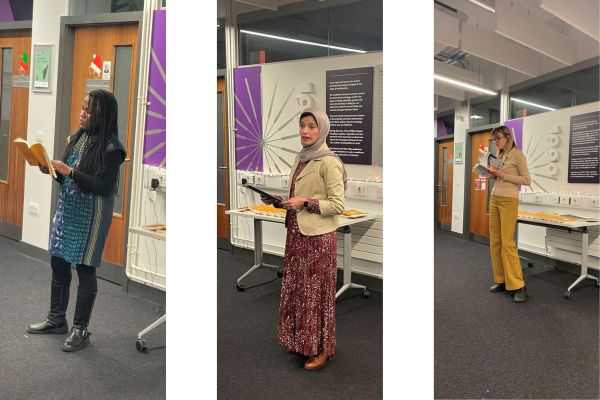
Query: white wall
{"points": [[41, 117], [536, 130], [461, 124], [296, 77]]}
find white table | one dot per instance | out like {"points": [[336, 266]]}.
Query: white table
{"points": [[345, 225], [579, 226], [141, 344]]}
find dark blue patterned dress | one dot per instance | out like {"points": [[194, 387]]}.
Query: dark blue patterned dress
{"points": [[82, 218]]}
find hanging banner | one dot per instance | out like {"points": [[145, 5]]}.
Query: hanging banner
{"points": [[584, 163], [155, 135], [350, 109], [516, 128]]}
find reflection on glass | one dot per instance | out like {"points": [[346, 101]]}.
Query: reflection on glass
{"points": [[444, 174], [355, 25], [576, 88], [122, 77], [83, 7], [490, 182], [220, 151], [5, 112]]}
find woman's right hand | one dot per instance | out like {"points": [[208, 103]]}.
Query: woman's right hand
{"points": [[267, 200], [44, 169]]}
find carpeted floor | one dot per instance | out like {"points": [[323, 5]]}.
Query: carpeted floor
{"points": [[33, 366], [487, 347], [251, 365]]}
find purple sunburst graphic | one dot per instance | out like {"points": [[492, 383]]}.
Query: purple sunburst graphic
{"points": [[155, 135], [248, 119]]}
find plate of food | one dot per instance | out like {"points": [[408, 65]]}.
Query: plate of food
{"points": [[352, 213]]}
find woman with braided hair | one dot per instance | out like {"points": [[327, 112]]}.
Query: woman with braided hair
{"points": [[88, 177]]}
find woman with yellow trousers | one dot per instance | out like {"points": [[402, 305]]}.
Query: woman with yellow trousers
{"points": [[504, 207]]}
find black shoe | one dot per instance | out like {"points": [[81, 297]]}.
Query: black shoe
{"points": [[498, 287], [520, 295], [77, 340], [47, 326]]}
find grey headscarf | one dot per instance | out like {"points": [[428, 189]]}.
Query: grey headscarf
{"points": [[312, 152]]}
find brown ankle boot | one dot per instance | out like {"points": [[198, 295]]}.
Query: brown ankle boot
{"points": [[316, 362]]}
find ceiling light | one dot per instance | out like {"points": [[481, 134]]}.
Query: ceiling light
{"points": [[532, 104], [483, 5], [301, 41], [476, 117], [464, 85]]}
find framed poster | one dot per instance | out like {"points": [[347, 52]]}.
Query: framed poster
{"points": [[42, 68], [458, 153]]}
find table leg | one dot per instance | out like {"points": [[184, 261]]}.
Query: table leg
{"points": [[258, 255], [584, 259], [347, 264]]}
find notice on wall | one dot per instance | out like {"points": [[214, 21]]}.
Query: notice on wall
{"points": [[584, 162], [350, 109]]}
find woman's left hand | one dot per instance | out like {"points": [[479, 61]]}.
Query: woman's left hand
{"points": [[61, 167], [295, 203], [499, 174]]}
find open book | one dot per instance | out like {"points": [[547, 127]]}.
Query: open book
{"points": [[35, 154], [486, 163]]}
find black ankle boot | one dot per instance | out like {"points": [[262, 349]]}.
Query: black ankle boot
{"points": [[498, 287], [520, 295], [79, 336], [77, 340], [56, 321]]}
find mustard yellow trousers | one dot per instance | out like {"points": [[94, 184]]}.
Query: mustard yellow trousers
{"points": [[505, 258]]}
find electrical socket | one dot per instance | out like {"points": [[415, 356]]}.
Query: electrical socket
{"points": [[380, 192], [162, 181], [260, 180], [360, 190], [594, 202], [565, 200], [249, 179], [34, 208], [537, 198], [284, 181], [556, 200]]}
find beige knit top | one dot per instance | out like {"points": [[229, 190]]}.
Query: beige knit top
{"points": [[516, 174]]}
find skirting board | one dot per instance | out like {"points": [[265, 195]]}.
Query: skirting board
{"points": [[10, 231], [370, 282]]}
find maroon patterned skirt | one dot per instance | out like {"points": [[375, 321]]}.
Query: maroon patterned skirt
{"points": [[307, 304]]}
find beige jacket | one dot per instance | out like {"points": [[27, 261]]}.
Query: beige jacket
{"points": [[321, 179], [516, 174]]}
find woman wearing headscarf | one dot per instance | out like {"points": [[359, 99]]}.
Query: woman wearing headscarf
{"points": [[88, 177], [504, 209], [316, 198]]}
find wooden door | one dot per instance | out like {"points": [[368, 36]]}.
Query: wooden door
{"points": [[15, 48], [444, 184], [222, 164], [481, 188], [96, 45]]}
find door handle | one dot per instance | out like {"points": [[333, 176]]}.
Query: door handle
{"points": [[223, 167]]}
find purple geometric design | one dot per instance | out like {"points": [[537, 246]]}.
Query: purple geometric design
{"points": [[155, 136], [441, 128], [248, 119], [6, 14], [516, 128]]}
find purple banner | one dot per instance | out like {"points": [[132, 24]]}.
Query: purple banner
{"points": [[516, 128], [155, 135], [248, 119]]}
